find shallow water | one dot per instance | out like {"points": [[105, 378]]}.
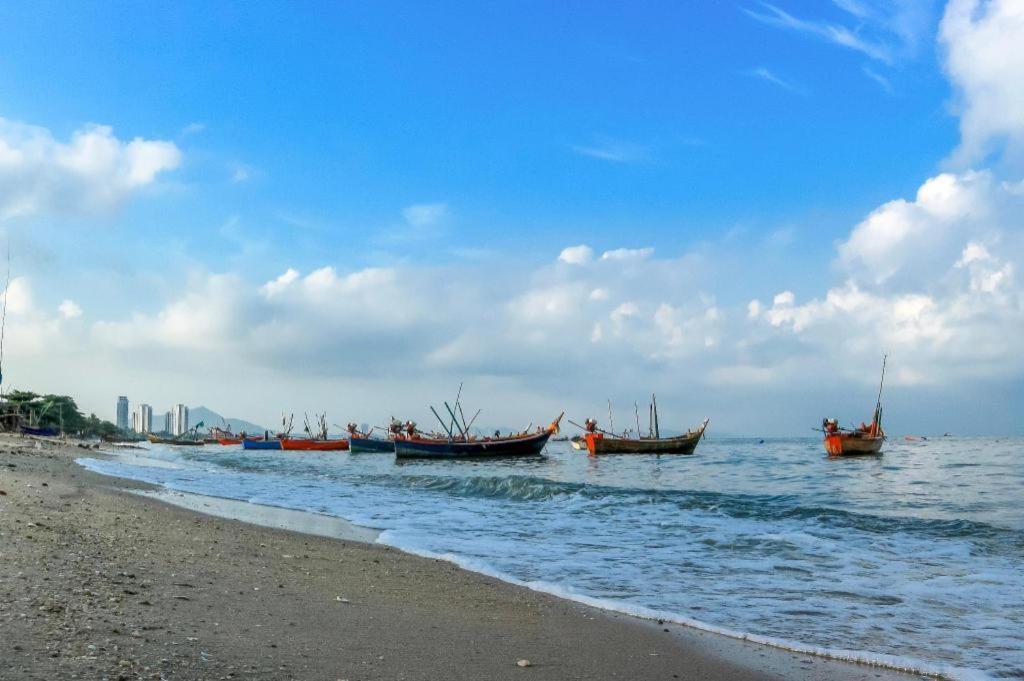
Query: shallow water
{"points": [[914, 558]]}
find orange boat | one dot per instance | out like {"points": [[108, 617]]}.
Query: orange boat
{"points": [[866, 439], [299, 444]]}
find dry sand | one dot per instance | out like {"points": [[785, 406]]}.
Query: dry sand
{"points": [[99, 582]]}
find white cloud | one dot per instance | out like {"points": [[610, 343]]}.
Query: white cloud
{"points": [[276, 286], [425, 214], [18, 296], [985, 61], [90, 173], [576, 255], [69, 309], [911, 236], [882, 30], [627, 254]]}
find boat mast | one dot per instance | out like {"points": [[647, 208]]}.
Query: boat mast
{"points": [[654, 408], [611, 424], [878, 402], [636, 413]]}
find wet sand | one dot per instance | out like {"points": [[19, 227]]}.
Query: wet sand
{"points": [[100, 581]]}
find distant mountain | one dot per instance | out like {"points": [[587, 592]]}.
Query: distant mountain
{"points": [[211, 418]]}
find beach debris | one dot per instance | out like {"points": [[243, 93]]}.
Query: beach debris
{"points": [[341, 600], [523, 663]]}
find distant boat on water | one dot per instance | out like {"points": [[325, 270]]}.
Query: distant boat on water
{"points": [[457, 442], [312, 445], [261, 444], [177, 441], [863, 440], [364, 443], [598, 441], [521, 444]]}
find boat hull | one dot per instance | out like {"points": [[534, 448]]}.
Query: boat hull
{"points": [[844, 444], [530, 445], [261, 444], [314, 445], [370, 445]]}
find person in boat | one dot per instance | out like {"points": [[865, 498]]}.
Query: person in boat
{"points": [[830, 426]]}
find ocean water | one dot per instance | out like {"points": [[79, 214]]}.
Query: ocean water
{"points": [[914, 559]]}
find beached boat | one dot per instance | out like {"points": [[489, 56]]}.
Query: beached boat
{"points": [[317, 445], [465, 447], [866, 439], [39, 432]]}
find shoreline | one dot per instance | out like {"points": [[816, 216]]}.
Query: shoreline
{"points": [[424, 615]]}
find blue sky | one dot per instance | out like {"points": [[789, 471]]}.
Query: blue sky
{"points": [[464, 146]]}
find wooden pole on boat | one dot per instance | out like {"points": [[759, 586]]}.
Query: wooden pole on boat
{"points": [[472, 420], [654, 406], [443, 424], [878, 403], [650, 420], [456, 420], [611, 424], [636, 413]]}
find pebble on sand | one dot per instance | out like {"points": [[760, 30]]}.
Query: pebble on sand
{"points": [[523, 663]]}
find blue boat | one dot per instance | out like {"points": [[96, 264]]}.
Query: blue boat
{"points": [[370, 445], [40, 432], [261, 444]]}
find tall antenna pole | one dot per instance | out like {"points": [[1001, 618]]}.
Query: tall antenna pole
{"points": [[3, 321]]}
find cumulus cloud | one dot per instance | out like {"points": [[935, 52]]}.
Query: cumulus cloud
{"points": [[69, 309], [984, 60], [576, 255], [92, 172]]}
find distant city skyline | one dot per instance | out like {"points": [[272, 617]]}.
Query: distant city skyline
{"points": [[739, 207]]}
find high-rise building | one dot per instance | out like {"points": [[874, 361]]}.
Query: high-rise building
{"points": [[169, 422], [179, 419], [122, 412], [142, 419]]}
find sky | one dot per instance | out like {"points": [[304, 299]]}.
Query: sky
{"points": [[353, 207]]}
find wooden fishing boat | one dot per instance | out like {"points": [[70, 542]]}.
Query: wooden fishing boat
{"points": [[261, 444], [867, 439], [370, 445], [462, 447], [304, 445], [364, 443], [176, 441], [600, 443]]}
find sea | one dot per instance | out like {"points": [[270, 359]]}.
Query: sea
{"points": [[913, 559]]}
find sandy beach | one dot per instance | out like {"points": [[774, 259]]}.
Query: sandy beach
{"points": [[99, 581]]}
